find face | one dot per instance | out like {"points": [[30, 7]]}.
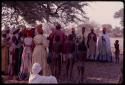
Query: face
{"points": [[92, 30], [73, 30], [83, 30], [104, 30]]}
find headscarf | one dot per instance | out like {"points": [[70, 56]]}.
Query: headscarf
{"points": [[36, 68], [29, 33], [39, 29]]}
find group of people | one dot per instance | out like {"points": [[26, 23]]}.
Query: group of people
{"points": [[22, 47]]}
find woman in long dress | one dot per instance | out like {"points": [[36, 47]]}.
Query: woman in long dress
{"points": [[26, 57], [40, 51], [4, 58], [104, 47], [91, 44]]}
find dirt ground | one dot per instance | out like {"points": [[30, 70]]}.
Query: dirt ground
{"points": [[95, 73]]}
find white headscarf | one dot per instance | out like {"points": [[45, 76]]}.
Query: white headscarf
{"points": [[36, 68], [36, 78]]}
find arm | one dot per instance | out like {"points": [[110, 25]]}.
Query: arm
{"points": [[88, 41]]}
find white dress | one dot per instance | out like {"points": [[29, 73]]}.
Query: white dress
{"points": [[40, 53]]}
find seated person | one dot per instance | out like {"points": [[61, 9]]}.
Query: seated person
{"points": [[36, 78]]}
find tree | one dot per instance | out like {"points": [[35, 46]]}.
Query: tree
{"points": [[119, 14], [48, 11]]}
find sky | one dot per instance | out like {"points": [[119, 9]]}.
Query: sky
{"points": [[102, 12]]}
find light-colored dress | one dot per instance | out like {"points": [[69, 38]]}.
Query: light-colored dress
{"points": [[26, 57], [104, 48], [40, 53], [91, 52]]}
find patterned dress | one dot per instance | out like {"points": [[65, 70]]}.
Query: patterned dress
{"points": [[26, 58]]}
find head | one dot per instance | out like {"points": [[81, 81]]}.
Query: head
{"points": [[83, 30], [29, 33], [36, 68], [70, 38], [58, 26], [117, 41], [3, 34], [104, 30], [73, 30], [39, 29], [92, 30], [52, 30]]}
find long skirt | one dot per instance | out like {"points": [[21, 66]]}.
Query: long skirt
{"points": [[18, 54], [4, 60], [40, 56], [25, 63]]}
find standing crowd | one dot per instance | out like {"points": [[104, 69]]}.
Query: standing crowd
{"points": [[28, 51]]}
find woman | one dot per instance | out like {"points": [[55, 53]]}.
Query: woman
{"points": [[26, 57], [4, 54], [12, 53], [40, 50], [91, 45]]}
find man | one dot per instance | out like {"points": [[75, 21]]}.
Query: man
{"points": [[82, 52], [73, 34], [59, 33], [104, 48], [91, 44], [36, 78]]}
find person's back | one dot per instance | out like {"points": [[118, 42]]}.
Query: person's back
{"points": [[36, 78], [44, 80]]}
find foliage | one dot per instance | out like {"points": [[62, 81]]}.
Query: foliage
{"points": [[119, 14], [45, 11]]}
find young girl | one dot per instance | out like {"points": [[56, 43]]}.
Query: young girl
{"points": [[117, 51]]}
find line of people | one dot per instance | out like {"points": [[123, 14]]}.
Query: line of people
{"points": [[26, 47]]}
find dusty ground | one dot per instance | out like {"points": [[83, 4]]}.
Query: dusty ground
{"points": [[95, 72]]}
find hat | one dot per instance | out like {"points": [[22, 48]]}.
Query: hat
{"points": [[29, 33], [36, 68]]}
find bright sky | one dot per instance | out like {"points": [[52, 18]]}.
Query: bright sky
{"points": [[102, 12]]}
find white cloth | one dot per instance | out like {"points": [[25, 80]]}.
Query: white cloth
{"points": [[42, 79], [106, 37], [28, 40], [36, 78], [36, 68]]}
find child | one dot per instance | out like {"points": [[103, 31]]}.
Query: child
{"points": [[117, 51]]}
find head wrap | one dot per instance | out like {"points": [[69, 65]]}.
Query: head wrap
{"points": [[29, 33], [36, 68], [39, 28]]}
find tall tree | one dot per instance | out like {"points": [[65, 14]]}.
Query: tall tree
{"points": [[119, 14], [64, 11]]}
